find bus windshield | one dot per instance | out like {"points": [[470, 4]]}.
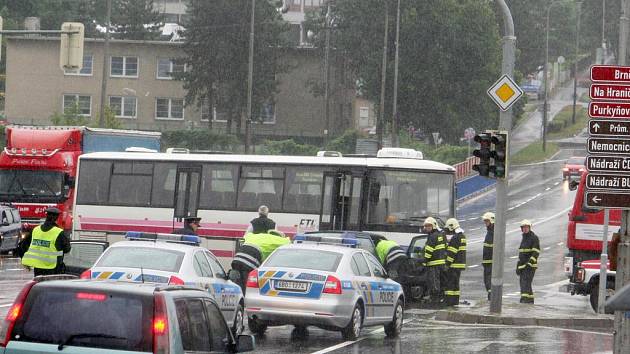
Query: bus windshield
{"points": [[18, 185], [408, 197]]}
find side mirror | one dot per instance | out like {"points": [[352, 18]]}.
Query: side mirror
{"points": [[245, 343], [234, 275], [68, 181], [573, 185]]}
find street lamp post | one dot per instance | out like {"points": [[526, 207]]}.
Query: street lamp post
{"points": [[395, 122], [545, 72], [577, 46], [250, 79], [327, 77], [381, 116], [101, 109]]}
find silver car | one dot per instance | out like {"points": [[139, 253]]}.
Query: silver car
{"points": [[332, 287]]}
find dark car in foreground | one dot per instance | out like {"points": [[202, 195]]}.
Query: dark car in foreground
{"points": [[53, 314]]}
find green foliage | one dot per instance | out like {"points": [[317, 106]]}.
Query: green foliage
{"points": [[345, 143], [288, 147], [216, 47], [448, 154], [562, 127], [136, 19], [200, 140], [71, 116], [534, 153], [111, 121]]}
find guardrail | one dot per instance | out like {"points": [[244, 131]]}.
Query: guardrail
{"points": [[463, 169]]}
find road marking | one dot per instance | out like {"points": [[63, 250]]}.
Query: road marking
{"points": [[514, 257], [548, 188], [472, 219], [557, 183], [476, 241], [475, 229], [560, 243], [575, 330], [14, 269], [350, 342], [544, 221], [473, 266], [5, 305], [547, 248]]}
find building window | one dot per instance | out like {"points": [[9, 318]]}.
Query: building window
{"points": [[169, 108], [86, 70], [124, 67], [268, 113], [123, 106], [166, 67], [218, 114], [83, 104]]}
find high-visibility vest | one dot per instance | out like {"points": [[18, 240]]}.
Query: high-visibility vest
{"points": [[387, 251], [42, 253], [267, 243]]}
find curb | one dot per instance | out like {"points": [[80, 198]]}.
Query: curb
{"points": [[571, 323]]}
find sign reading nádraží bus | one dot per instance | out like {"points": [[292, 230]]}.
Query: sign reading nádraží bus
{"points": [[609, 182]]}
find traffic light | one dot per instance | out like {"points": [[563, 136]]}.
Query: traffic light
{"points": [[484, 153], [71, 48], [499, 154]]}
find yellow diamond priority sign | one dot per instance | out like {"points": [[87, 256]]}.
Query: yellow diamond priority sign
{"points": [[505, 92]]}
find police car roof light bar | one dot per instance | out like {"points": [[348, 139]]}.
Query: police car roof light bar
{"points": [[320, 240], [172, 238]]}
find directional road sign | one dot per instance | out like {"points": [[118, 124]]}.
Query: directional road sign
{"points": [[596, 163], [610, 92], [609, 127], [608, 146], [505, 92], [609, 182], [597, 109], [610, 73], [608, 200]]}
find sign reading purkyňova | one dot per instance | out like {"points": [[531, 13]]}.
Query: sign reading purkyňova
{"points": [[608, 109]]}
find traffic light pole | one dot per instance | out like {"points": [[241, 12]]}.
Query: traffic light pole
{"points": [[505, 123]]}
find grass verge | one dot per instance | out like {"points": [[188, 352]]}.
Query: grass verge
{"points": [[561, 127], [534, 153]]}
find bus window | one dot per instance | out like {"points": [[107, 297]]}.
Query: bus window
{"points": [[218, 186], [260, 185], [131, 183], [163, 191], [94, 186], [303, 189]]}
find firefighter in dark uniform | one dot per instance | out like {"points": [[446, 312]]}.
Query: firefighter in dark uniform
{"points": [[254, 250], [392, 257], [435, 259], [191, 225], [43, 249], [528, 253], [488, 243], [262, 223], [455, 261]]}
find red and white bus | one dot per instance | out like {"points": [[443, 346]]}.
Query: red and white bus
{"points": [[392, 193]]}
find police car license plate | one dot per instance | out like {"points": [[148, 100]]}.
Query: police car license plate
{"points": [[290, 285]]}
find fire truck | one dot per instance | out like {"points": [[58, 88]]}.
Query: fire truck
{"points": [[584, 243], [38, 165]]}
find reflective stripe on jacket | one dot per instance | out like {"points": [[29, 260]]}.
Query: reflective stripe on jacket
{"points": [[528, 251], [456, 250], [388, 251], [435, 249], [42, 252], [488, 244], [248, 256]]}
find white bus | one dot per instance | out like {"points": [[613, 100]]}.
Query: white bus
{"points": [[134, 191]]}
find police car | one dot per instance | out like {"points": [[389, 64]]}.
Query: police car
{"points": [[170, 259], [335, 287]]}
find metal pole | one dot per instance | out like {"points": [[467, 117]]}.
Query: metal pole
{"points": [[327, 78], [577, 51], [250, 79], [603, 31], [545, 76], [505, 123], [395, 142], [381, 117], [624, 25], [101, 109], [603, 265]]}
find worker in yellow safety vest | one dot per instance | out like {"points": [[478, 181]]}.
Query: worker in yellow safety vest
{"points": [[43, 249]]}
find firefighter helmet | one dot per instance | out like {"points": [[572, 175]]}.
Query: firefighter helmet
{"points": [[452, 224], [488, 216], [526, 222], [431, 221]]}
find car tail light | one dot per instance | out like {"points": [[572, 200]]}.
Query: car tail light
{"points": [[86, 275], [160, 325], [332, 285], [579, 275], [173, 280], [14, 313], [252, 279]]}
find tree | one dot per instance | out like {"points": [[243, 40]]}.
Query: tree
{"points": [[216, 46], [449, 56], [136, 19]]}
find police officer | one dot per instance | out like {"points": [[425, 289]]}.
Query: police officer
{"points": [[528, 253], [254, 250], [262, 223], [488, 244], [392, 257], [43, 249], [191, 225], [435, 259], [455, 261]]}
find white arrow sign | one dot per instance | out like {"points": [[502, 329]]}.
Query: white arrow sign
{"points": [[596, 200], [596, 127]]}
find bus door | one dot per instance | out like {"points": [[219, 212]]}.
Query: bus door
{"points": [[341, 201], [187, 187]]}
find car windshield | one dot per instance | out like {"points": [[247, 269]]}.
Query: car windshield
{"points": [[124, 320], [18, 185], [324, 261], [576, 161], [142, 257]]}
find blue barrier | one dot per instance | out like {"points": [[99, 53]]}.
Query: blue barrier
{"points": [[472, 184]]}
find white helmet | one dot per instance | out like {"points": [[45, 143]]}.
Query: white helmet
{"points": [[452, 224], [526, 222], [431, 221], [488, 216]]}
